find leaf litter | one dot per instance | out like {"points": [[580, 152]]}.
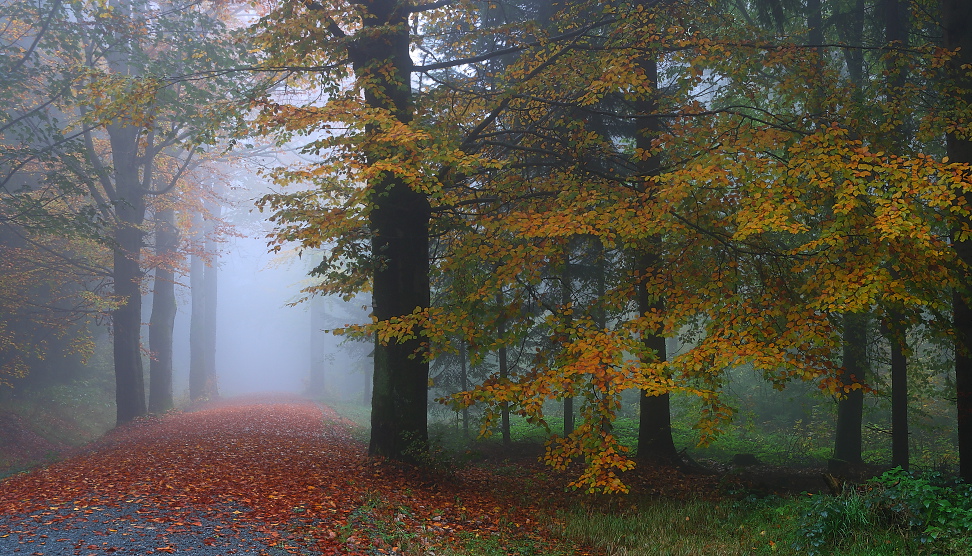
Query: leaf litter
{"points": [[252, 477]]}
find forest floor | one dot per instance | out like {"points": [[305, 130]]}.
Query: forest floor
{"points": [[256, 477], [288, 476]]}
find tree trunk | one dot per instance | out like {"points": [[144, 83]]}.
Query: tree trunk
{"points": [[896, 21], [899, 391], [127, 275], [126, 323], [655, 442], [197, 318], [464, 385], [957, 19], [202, 321], [399, 225], [848, 447], [566, 296], [163, 315], [211, 297], [504, 371], [316, 380]]}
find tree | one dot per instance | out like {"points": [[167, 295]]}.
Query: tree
{"points": [[133, 119], [746, 207], [957, 23], [163, 312]]}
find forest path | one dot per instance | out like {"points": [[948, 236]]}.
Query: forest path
{"points": [[241, 477]]}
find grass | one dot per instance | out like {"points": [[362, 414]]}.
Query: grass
{"points": [[714, 528], [642, 525]]}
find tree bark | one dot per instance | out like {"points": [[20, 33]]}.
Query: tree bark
{"points": [[504, 371], [464, 385], [957, 21], [655, 442], [896, 20], [848, 447], [126, 320], [163, 315], [399, 225], [899, 392]]}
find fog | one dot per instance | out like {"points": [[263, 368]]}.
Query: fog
{"points": [[264, 342]]}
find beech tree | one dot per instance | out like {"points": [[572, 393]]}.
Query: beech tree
{"points": [[118, 94], [753, 209]]}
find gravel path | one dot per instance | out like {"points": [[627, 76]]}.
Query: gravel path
{"points": [[132, 529]]}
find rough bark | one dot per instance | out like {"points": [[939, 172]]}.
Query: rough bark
{"points": [[399, 225], [163, 315]]}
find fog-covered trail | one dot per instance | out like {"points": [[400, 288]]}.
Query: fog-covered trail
{"points": [[238, 477]]}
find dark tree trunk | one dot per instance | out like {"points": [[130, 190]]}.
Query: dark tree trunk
{"points": [[464, 385], [399, 224], [957, 19], [848, 447], [566, 295], [504, 371], [127, 275], [896, 21], [126, 323], [655, 442], [899, 392], [163, 315]]}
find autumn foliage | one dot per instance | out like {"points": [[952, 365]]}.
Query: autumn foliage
{"points": [[286, 472]]}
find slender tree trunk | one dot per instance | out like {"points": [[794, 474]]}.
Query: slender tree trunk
{"points": [[464, 385], [316, 380], [504, 371], [202, 321], [399, 224], [896, 20], [211, 298], [899, 391], [566, 297], [848, 446], [957, 20], [163, 315], [197, 318]]}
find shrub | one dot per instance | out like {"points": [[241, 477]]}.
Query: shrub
{"points": [[929, 508]]}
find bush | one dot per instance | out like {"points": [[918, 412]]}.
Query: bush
{"points": [[930, 504], [930, 509]]}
